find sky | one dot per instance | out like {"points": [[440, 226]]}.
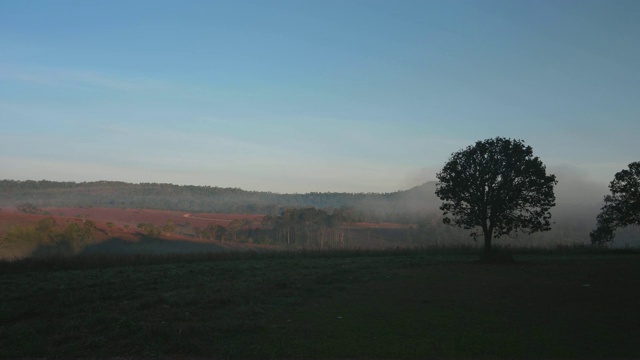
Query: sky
{"points": [[301, 96]]}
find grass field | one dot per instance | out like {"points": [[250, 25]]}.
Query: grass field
{"points": [[374, 304]]}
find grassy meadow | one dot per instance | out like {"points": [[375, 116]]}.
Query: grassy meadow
{"points": [[567, 302]]}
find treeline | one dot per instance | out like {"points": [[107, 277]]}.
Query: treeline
{"points": [[48, 238], [295, 227], [401, 206], [309, 227], [313, 228], [316, 228]]}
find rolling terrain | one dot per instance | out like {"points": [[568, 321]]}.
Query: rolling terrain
{"points": [[126, 231]]}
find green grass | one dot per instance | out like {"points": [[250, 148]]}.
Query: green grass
{"points": [[437, 302]]}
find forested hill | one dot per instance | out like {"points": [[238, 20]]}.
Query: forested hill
{"points": [[400, 206]]}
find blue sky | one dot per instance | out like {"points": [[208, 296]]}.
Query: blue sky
{"points": [[298, 96]]}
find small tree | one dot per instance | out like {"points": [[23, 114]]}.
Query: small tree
{"points": [[29, 208], [46, 228], [110, 225], [234, 227], [621, 208], [496, 187], [219, 232], [169, 227], [150, 230]]}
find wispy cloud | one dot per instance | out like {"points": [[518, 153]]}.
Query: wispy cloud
{"points": [[63, 77]]}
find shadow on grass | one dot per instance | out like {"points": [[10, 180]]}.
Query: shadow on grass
{"points": [[497, 256], [146, 246], [120, 252], [151, 246]]}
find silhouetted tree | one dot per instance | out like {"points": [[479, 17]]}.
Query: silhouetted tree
{"points": [[496, 187], [621, 208]]}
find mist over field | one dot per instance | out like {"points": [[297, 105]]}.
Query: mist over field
{"points": [[416, 210]]}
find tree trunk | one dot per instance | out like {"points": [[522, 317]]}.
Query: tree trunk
{"points": [[487, 242]]}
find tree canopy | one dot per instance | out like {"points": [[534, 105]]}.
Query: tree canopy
{"points": [[496, 187], [622, 207]]}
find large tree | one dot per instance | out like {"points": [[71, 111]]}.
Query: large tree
{"points": [[622, 207], [496, 187]]}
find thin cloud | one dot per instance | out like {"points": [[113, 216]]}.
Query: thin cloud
{"points": [[62, 77]]}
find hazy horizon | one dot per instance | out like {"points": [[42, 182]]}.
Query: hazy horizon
{"points": [[314, 96], [574, 187]]}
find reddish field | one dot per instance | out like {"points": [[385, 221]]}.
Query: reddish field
{"points": [[156, 217], [117, 230], [132, 217], [116, 223], [124, 221]]}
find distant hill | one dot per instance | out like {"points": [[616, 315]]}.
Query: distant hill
{"points": [[573, 217], [400, 206]]}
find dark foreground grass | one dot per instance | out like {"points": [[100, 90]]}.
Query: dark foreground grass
{"points": [[331, 305]]}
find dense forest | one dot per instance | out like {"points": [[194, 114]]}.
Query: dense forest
{"points": [[402, 206]]}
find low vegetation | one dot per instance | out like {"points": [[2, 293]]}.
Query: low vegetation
{"points": [[47, 238], [434, 302]]}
